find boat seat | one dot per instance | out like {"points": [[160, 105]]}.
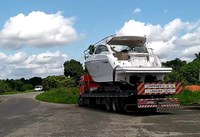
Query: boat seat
{"points": [[122, 56]]}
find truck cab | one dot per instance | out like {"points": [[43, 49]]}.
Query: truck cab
{"points": [[87, 84]]}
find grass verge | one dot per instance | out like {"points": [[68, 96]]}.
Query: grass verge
{"points": [[70, 96], [188, 97], [60, 95]]}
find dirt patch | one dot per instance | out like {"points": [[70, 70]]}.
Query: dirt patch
{"points": [[193, 88]]}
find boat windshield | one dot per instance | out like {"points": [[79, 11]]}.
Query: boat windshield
{"points": [[125, 48], [138, 49], [119, 48]]}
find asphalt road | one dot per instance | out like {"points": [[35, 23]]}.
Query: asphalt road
{"points": [[22, 116]]}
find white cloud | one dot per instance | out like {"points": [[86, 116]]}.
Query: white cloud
{"points": [[17, 58], [38, 29], [160, 48], [21, 65], [47, 57], [190, 38], [2, 56], [137, 10], [176, 39], [133, 27], [190, 52]]}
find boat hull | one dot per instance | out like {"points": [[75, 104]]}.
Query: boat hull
{"points": [[103, 71], [100, 70]]}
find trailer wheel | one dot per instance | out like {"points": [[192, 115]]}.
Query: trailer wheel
{"points": [[80, 102], [115, 105], [108, 104], [121, 105]]}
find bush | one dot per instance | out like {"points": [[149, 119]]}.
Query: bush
{"points": [[190, 72], [188, 97], [60, 95], [34, 81], [27, 87], [73, 68], [4, 87], [51, 82]]}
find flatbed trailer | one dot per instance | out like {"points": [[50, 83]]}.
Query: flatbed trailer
{"points": [[125, 97]]}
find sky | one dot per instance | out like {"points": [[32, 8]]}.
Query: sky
{"points": [[38, 36]]}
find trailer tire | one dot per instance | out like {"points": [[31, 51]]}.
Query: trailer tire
{"points": [[115, 105], [121, 105], [92, 102], [80, 102], [108, 104]]}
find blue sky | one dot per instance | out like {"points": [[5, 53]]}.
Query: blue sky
{"points": [[33, 44]]}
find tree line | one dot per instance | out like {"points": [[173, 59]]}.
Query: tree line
{"points": [[187, 73], [22, 85], [19, 84], [72, 71]]}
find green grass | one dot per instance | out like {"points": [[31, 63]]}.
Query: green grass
{"points": [[15, 92], [188, 97], [60, 95], [70, 96]]}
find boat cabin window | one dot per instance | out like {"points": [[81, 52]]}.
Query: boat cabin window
{"points": [[126, 48], [118, 48], [138, 49], [101, 48]]}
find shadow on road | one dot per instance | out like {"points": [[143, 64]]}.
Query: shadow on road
{"points": [[147, 113], [194, 107], [135, 113]]}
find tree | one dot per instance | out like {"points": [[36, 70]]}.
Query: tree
{"points": [[23, 80], [51, 82], [27, 87], [175, 64], [4, 87], [175, 75], [15, 84], [190, 72], [35, 81], [197, 55], [187, 73], [73, 69]]}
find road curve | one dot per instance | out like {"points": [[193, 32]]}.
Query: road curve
{"points": [[22, 116]]}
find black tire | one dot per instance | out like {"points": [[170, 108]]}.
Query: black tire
{"points": [[115, 105], [92, 102], [121, 105], [108, 104], [80, 102]]}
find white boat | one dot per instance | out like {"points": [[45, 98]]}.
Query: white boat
{"points": [[123, 59]]}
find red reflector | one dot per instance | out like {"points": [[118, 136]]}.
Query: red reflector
{"points": [[145, 101]]}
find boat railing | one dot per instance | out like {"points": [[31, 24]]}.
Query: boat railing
{"points": [[86, 54], [89, 51]]}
